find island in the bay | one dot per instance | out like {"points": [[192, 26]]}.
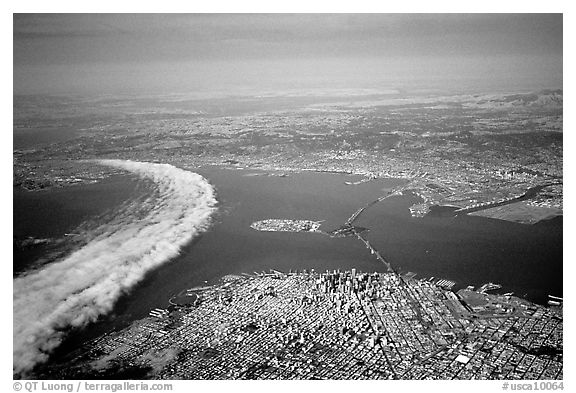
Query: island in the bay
{"points": [[285, 225]]}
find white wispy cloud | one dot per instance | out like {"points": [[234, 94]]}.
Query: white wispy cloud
{"points": [[76, 290]]}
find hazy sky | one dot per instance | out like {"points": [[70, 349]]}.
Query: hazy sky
{"points": [[123, 53]]}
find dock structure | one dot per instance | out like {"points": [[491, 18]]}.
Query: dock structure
{"points": [[448, 284], [555, 301]]}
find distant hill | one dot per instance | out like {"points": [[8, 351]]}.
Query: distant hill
{"points": [[552, 98], [545, 99]]}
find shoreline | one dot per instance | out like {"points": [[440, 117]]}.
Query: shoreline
{"points": [[303, 310]]}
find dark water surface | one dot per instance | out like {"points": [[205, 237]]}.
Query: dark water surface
{"points": [[526, 259], [50, 214]]}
